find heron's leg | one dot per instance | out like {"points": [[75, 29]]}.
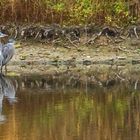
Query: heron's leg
{"points": [[1, 69], [5, 69], [1, 74]]}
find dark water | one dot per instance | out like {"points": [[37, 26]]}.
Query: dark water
{"points": [[51, 111]]}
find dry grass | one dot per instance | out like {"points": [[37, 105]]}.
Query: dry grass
{"points": [[69, 12]]}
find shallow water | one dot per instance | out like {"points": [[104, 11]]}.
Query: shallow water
{"points": [[35, 109]]}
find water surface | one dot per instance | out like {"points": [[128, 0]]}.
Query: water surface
{"points": [[32, 109]]}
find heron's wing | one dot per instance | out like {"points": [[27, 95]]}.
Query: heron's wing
{"points": [[1, 55], [1, 58], [7, 53]]}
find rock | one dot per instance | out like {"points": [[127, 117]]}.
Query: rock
{"points": [[136, 61], [23, 57], [87, 62]]}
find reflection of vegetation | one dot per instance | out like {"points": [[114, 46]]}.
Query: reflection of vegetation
{"points": [[83, 106], [120, 106], [76, 114]]}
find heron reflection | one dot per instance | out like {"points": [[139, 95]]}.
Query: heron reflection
{"points": [[7, 90]]}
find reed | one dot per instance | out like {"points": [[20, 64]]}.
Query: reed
{"points": [[120, 12]]}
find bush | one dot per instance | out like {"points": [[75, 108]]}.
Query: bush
{"points": [[117, 12]]}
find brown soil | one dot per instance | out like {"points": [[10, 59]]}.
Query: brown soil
{"points": [[43, 59]]}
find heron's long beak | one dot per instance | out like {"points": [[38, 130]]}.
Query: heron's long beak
{"points": [[3, 35]]}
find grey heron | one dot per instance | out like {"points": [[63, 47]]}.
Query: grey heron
{"points": [[1, 48], [7, 51]]}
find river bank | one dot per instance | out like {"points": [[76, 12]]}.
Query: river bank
{"points": [[43, 58], [48, 49]]}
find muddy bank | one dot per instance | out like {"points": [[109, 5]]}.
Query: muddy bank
{"points": [[103, 66], [41, 58], [73, 48]]}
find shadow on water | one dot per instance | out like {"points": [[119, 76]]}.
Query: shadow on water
{"points": [[7, 90], [64, 108]]}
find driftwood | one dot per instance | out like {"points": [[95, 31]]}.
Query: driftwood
{"points": [[73, 34]]}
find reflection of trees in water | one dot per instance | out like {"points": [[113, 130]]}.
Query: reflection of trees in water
{"points": [[93, 79], [7, 90], [70, 111], [102, 114]]}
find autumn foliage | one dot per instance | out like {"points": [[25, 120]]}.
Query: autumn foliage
{"points": [[70, 12]]}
